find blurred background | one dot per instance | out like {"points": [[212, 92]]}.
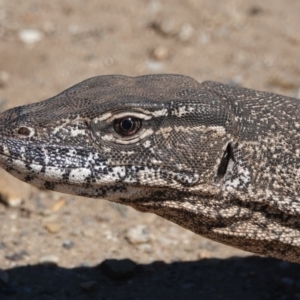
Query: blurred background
{"points": [[47, 46]]}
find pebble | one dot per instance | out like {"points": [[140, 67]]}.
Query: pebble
{"points": [[139, 234], [68, 244], [255, 10], [186, 32], [30, 36], [49, 260], [86, 264], [89, 232], [204, 38], [58, 205], [76, 232], [160, 53], [204, 254], [154, 66], [89, 286], [236, 81], [17, 256], [4, 277], [147, 248], [13, 201], [167, 27], [119, 269], [53, 227], [49, 27], [154, 7]]}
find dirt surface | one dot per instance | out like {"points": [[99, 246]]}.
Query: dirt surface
{"points": [[54, 246]]}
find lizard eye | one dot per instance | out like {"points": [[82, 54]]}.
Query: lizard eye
{"points": [[127, 126], [25, 131]]}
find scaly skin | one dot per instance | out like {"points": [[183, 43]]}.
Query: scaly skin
{"points": [[221, 161]]}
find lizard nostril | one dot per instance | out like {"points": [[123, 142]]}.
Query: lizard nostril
{"points": [[25, 131]]}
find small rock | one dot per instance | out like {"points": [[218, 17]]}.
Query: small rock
{"points": [[255, 10], [297, 94], [16, 256], [4, 278], [73, 29], [85, 264], [13, 216], [139, 234], [186, 32], [236, 81], [89, 286], [119, 269], [49, 260], [166, 27], [13, 201], [147, 248], [68, 244], [154, 7], [160, 53], [154, 66], [53, 227], [4, 78], [58, 205], [49, 27], [76, 232], [88, 232], [121, 209], [204, 38], [204, 254], [102, 219], [30, 36], [109, 61]]}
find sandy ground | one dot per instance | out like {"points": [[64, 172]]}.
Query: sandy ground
{"points": [[54, 246]]}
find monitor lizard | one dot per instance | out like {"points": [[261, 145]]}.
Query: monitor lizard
{"points": [[219, 160]]}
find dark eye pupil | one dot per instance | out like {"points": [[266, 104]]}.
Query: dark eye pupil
{"points": [[127, 124]]}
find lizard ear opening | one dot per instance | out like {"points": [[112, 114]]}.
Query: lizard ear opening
{"points": [[228, 154]]}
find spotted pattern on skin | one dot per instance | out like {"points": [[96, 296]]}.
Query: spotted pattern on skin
{"points": [[221, 161]]}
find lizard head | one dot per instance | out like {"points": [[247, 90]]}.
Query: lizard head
{"points": [[160, 143], [165, 144], [120, 138]]}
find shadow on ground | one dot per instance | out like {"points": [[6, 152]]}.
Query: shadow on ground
{"points": [[234, 278]]}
